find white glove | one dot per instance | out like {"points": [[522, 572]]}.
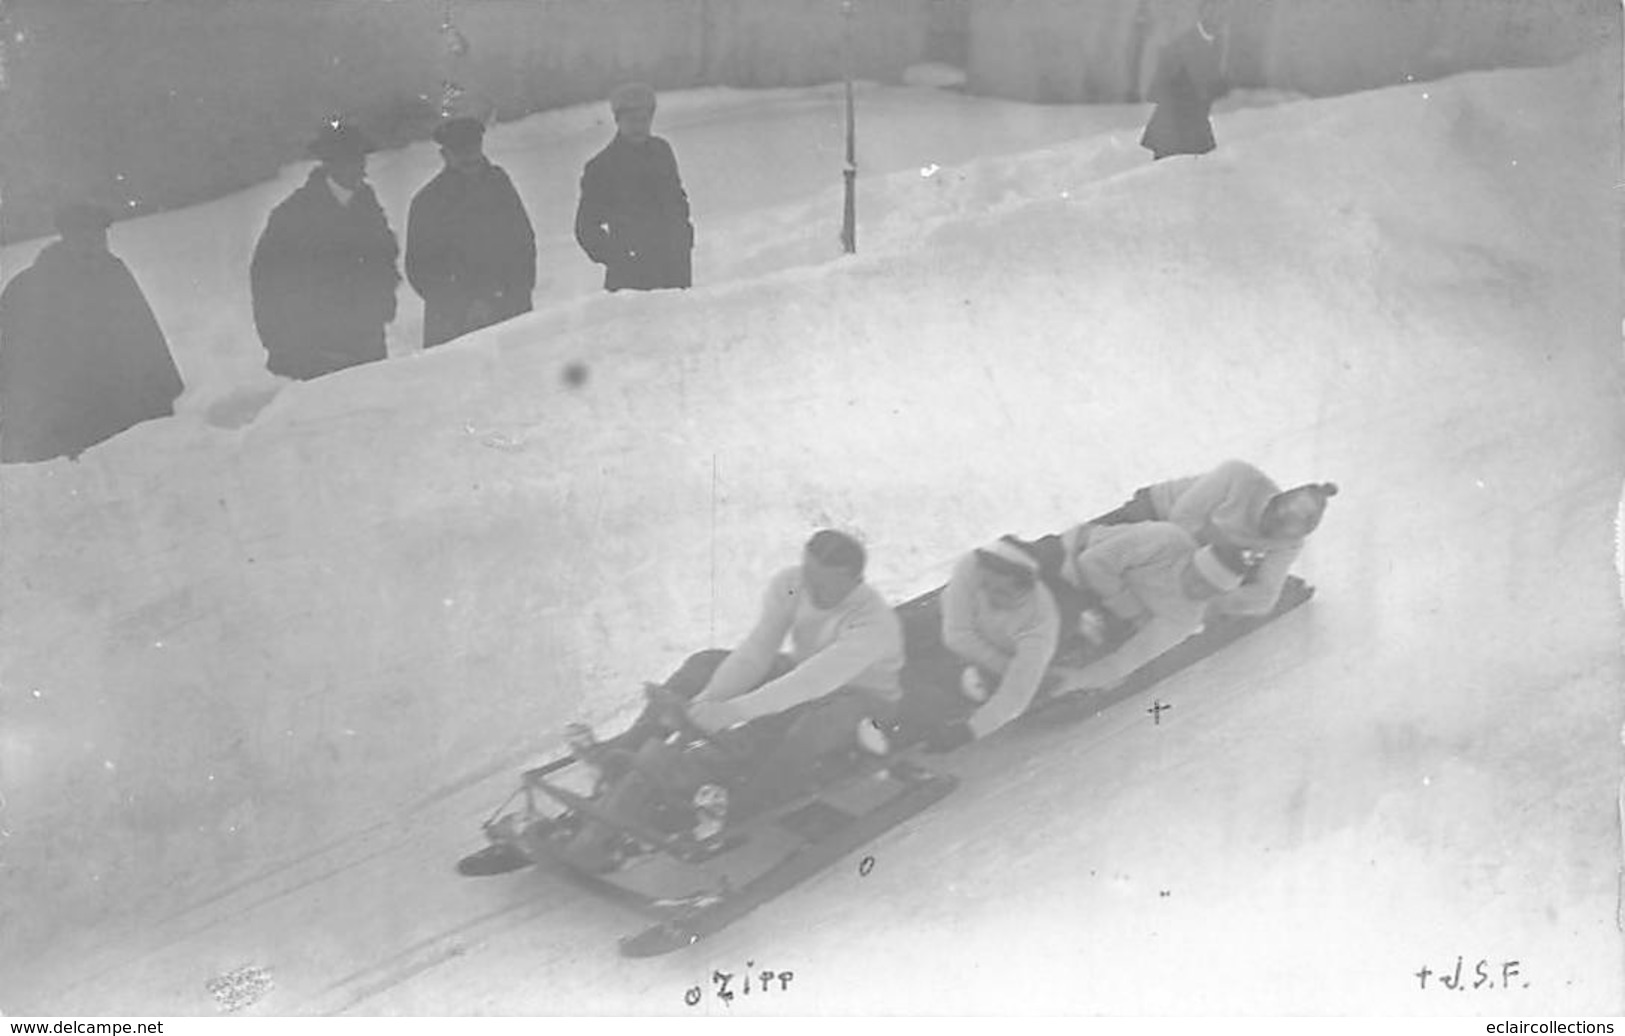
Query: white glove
{"points": [[1092, 625], [972, 685]]}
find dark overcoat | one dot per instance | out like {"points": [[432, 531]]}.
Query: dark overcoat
{"points": [[1187, 81], [469, 246], [633, 216], [323, 279], [82, 358]]}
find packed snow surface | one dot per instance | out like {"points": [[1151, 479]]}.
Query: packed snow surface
{"points": [[267, 664]]}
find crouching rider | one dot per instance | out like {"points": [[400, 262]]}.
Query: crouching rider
{"points": [[1001, 623], [1149, 582], [774, 716], [1237, 506]]}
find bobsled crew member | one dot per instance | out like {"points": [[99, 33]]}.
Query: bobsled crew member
{"points": [[1000, 618], [846, 645], [843, 636], [790, 711], [1153, 576], [1237, 507]]}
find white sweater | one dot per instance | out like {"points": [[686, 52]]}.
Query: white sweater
{"points": [[1138, 573], [1016, 643], [857, 643]]}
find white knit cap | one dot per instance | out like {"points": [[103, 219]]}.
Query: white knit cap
{"points": [[1216, 572], [1004, 550]]}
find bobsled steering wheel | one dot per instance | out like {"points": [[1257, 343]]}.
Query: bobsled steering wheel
{"points": [[673, 712]]}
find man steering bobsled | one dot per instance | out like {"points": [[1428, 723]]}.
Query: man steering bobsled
{"points": [[761, 721]]}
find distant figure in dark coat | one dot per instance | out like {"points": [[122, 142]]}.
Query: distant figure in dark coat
{"points": [[81, 356], [633, 218], [1187, 82], [324, 274], [470, 249]]}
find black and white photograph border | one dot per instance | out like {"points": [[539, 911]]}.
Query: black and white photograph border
{"points": [[457, 369]]}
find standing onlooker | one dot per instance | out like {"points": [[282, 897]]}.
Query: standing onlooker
{"points": [[324, 275], [1189, 78], [470, 249], [633, 217], [82, 358]]}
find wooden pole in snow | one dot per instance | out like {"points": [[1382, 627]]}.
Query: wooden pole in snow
{"points": [[849, 222]]}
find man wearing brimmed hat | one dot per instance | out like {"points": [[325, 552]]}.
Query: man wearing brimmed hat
{"points": [[470, 247], [82, 357], [324, 272], [1002, 624], [1154, 577], [633, 217]]}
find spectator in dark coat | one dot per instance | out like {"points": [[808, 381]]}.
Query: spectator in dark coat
{"points": [[324, 274], [633, 217], [1189, 78], [81, 356], [470, 249]]}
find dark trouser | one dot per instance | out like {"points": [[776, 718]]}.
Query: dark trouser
{"points": [[769, 759], [759, 764], [686, 683], [780, 751]]}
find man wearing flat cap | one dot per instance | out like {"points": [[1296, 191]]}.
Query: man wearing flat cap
{"points": [[324, 273], [633, 218], [82, 358], [470, 249]]}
